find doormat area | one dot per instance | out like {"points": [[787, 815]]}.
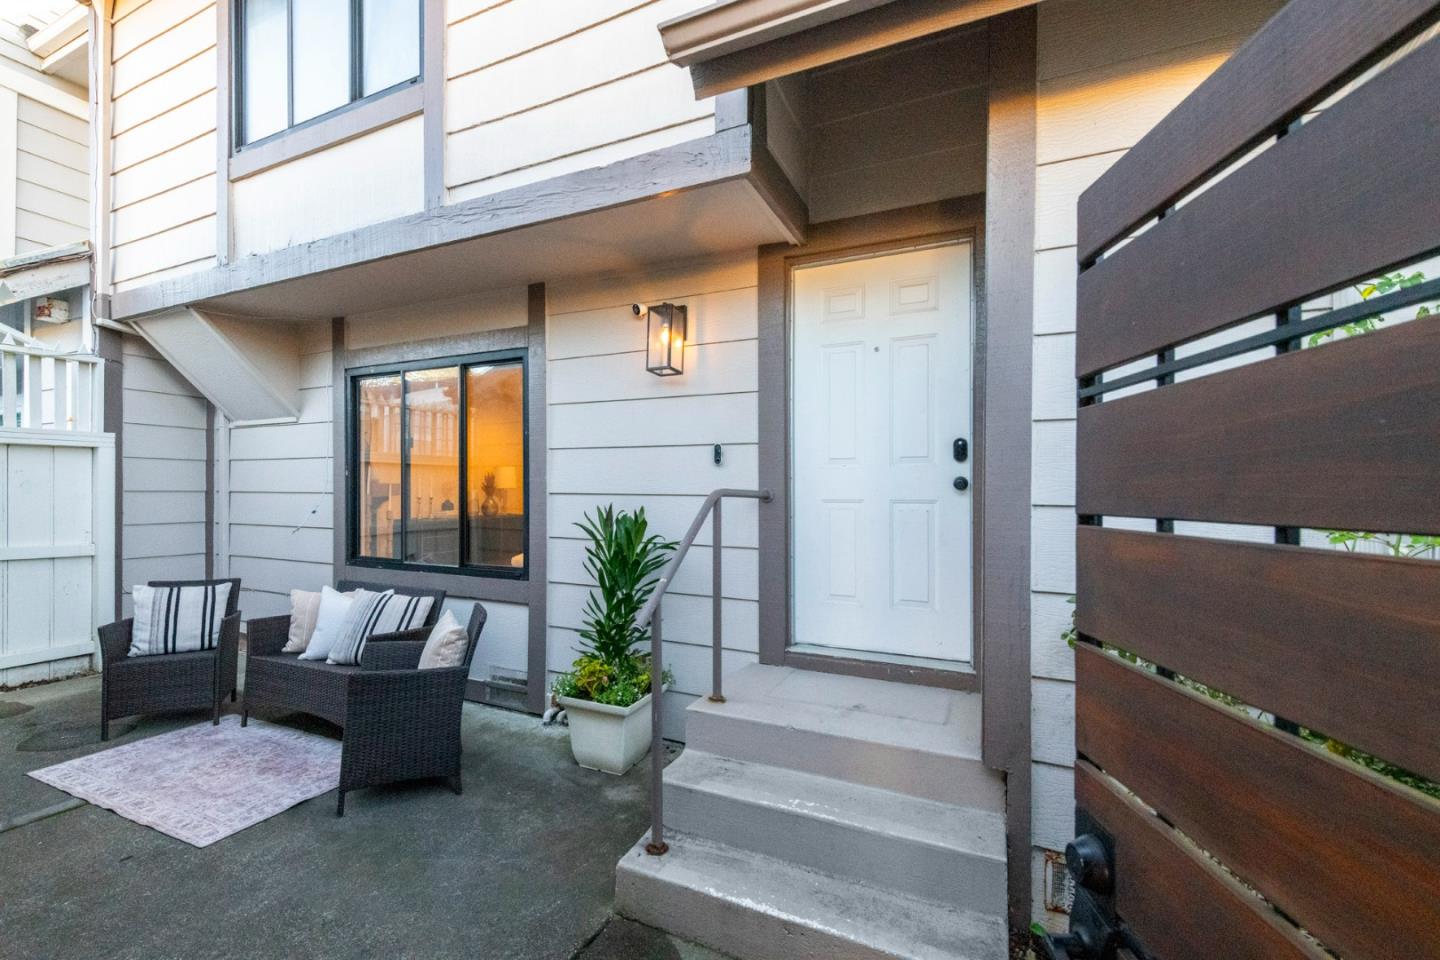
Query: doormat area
{"points": [[204, 783]]}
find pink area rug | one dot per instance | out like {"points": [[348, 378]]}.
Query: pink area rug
{"points": [[203, 783]]}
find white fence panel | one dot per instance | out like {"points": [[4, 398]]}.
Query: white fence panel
{"points": [[57, 513]]}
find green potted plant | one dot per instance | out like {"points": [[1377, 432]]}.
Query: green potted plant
{"points": [[607, 693]]}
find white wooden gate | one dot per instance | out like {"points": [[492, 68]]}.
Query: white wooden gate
{"points": [[57, 511]]}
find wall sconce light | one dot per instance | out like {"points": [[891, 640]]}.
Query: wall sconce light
{"points": [[665, 329]]}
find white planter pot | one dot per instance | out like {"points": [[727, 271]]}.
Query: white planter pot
{"points": [[602, 737]]}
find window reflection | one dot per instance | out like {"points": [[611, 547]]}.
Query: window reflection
{"points": [[495, 469], [378, 491], [415, 501], [432, 409]]}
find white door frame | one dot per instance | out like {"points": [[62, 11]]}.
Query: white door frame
{"points": [[943, 621], [889, 232]]}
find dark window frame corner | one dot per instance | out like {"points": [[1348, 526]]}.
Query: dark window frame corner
{"points": [[470, 573], [361, 114]]}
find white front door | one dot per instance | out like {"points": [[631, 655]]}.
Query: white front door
{"points": [[881, 392]]}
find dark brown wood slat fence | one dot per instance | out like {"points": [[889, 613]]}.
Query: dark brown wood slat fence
{"points": [[1352, 857], [1310, 46], [1205, 667], [1155, 871], [1278, 442], [1231, 615], [1327, 204]]}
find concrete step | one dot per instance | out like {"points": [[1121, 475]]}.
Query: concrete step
{"points": [[755, 907], [921, 741], [911, 845]]}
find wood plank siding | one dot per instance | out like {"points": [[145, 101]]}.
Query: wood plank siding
{"points": [[538, 88], [44, 147], [163, 115], [273, 487], [163, 436], [600, 396]]}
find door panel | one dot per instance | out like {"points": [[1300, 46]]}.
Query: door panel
{"points": [[881, 387]]}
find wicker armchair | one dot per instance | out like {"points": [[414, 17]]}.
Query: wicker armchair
{"points": [[403, 723], [284, 682], [168, 681]]}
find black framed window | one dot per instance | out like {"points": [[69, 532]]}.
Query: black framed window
{"points": [[438, 465], [299, 60]]}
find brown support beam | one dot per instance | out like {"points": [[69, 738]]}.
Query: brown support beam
{"points": [[536, 499], [1003, 452]]}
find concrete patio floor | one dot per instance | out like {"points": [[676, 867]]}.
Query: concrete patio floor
{"points": [[521, 866]]}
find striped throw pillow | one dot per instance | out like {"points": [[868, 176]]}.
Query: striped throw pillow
{"points": [[402, 612], [376, 613], [177, 619]]}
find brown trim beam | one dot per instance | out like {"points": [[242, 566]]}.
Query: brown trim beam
{"points": [[434, 77], [873, 29], [724, 156], [224, 130], [1003, 451], [537, 453]]}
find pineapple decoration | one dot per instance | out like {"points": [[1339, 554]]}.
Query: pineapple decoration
{"points": [[490, 506]]}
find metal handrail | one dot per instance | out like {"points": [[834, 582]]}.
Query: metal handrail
{"points": [[651, 615]]}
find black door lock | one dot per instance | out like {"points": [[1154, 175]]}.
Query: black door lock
{"points": [[962, 484], [961, 449]]}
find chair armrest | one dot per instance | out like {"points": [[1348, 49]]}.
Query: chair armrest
{"points": [[408, 700], [417, 633], [392, 654], [115, 641], [264, 636]]}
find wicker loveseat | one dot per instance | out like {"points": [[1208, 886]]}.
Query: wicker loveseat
{"points": [[400, 722], [172, 681], [284, 682]]}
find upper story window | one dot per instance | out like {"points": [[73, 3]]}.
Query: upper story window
{"points": [[437, 465], [302, 59]]}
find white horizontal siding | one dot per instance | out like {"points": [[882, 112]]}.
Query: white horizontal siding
{"points": [[279, 486], [621, 436], [51, 163], [164, 109], [369, 179], [538, 87], [163, 470]]}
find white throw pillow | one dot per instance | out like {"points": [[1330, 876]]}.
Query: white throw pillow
{"points": [[177, 619], [446, 645], [360, 624], [334, 607], [304, 609]]}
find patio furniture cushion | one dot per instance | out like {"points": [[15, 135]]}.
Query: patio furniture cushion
{"points": [[334, 608], [304, 611], [402, 612], [359, 624], [178, 619], [445, 647]]}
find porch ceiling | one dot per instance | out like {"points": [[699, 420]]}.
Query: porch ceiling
{"points": [[703, 220]]}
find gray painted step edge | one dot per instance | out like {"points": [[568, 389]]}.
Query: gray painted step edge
{"points": [[951, 854], [759, 908], [764, 734]]}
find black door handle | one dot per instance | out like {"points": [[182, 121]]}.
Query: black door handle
{"points": [[962, 484]]}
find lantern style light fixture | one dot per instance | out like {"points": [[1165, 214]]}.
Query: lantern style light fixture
{"points": [[665, 325]]}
